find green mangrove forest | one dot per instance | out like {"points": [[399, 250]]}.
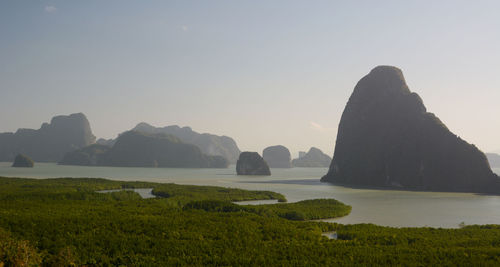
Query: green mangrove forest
{"points": [[65, 222]]}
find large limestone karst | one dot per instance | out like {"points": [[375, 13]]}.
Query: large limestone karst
{"points": [[50, 142], [387, 138], [314, 158], [251, 163], [138, 149], [209, 144], [277, 156]]}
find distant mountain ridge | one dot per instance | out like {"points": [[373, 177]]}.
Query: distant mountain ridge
{"points": [[209, 144], [50, 142], [139, 149]]}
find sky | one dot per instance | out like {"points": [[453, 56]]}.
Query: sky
{"points": [[262, 72]]}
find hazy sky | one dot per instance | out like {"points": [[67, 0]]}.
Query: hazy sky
{"points": [[262, 72]]}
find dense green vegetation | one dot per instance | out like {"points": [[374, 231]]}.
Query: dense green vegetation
{"points": [[308, 209], [299, 211], [182, 194], [65, 222]]}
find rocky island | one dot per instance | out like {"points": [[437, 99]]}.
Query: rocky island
{"points": [[277, 156], [314, 158], [138, 149], [209, 144], [50, 142], [386, 138], [251, 163], [23, 161]]}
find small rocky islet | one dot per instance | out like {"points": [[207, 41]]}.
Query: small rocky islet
{"points": [[23, 161], [251, 163]]}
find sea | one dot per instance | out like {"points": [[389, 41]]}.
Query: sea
{"points": [[393, 208]]}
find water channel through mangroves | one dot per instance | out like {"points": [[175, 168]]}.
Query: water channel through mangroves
{"points": [[382, 207]]}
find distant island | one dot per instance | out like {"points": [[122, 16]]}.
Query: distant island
{"points": [[277, 156], [209, 144], [314, 158], [387, 138], [139, 149], [493, 159], [50, 142], [23, 161], [251, 163]]}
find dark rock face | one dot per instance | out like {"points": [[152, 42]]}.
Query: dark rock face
{"points": [[23, 161], [51, 141], [251, 163], [387, 138], [137, 149], [208, 143], [314, 158], [277, 157], [493, 159]]}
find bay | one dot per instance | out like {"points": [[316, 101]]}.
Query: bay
{"points": [[382, 207]]}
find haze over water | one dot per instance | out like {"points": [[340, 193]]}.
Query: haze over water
{"points": [[381, 207]]}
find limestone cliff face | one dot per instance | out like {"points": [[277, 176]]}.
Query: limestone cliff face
{"points": [[387, 138], [251, 163], [50, 142], [277, 156]]}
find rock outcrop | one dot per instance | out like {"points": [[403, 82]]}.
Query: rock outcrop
{"points": [[138, 149], [208, 143], [23, 161], [277, 157], [493, 159], [387, 138], [251, 163], [50, 142], [314, 158]]}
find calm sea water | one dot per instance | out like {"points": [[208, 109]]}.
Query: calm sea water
{"points": [[382, 207]]}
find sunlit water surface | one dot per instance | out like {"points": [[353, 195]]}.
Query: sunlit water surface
{"points": [[382, 207]]}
